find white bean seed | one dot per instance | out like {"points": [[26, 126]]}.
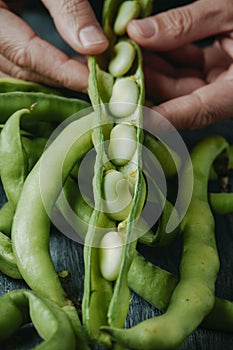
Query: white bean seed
{"points": [[123, 143], [123, 101], [118, 199], [127, 11], [110, 257], [122, 60]]}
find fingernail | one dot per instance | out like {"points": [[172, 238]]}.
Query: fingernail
{"points": [[91, 35], [144, 27]]}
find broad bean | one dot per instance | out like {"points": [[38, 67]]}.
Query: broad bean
{"points": [[128, 10], [122, 144], [125, 94], [111, 255], [118, 199], [123, 57]]}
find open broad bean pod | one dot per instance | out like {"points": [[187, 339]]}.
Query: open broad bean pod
{"points": [[116, 89]]}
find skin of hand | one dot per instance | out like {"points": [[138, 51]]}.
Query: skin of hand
{"points": [[191, 86], [25, 55]]}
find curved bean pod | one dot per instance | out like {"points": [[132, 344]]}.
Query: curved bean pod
{"points": [[193, 297], [48, 111], [12, 158], [35, 264], [7, 259], [221, 203], [156, 286], [51, 322], [9, 84], [153, 283], [18, 154], [31, 244], [6, 218]]}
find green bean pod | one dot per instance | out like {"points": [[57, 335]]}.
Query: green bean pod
{"points": [[9, 84], [6, 218], [221, 203], [12, 158], [152, 283], [7, 260], [31, 225], [160, 237], [47, 113], [156, 286], [96, 287], [162, 154], [18, 155], [42, 276], [51, 322], [193, 297]]}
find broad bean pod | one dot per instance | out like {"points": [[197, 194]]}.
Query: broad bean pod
{"points": [[18, 155], [96, 287], [48, 111], [193, 297], [31, 225], [156, 286], [152, 283], [7, 259], [21, 306], [9, 84], [161, 283], [41, 276], [221, 203]]}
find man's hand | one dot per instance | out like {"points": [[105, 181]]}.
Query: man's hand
{"points": [[24, 55], [194, 86]]}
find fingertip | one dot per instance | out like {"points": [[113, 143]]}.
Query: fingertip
{"points": [[141, 29], [92, 40]]}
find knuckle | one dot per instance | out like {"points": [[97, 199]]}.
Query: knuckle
{"points": [[22, 55], [204, 115], [19, 73], [62, 78], [72, 7], [177, 22]]}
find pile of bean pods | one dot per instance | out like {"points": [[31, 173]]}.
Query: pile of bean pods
{"points": [[36, 175]]}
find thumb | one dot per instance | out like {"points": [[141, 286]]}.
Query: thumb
{"points": [[177, 27], [77, 24]]}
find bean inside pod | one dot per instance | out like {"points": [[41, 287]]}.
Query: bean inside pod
{"points": [[122, 60], [128, 10], [111, 250], [118, 199], [123, 143], [123, 101]]}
